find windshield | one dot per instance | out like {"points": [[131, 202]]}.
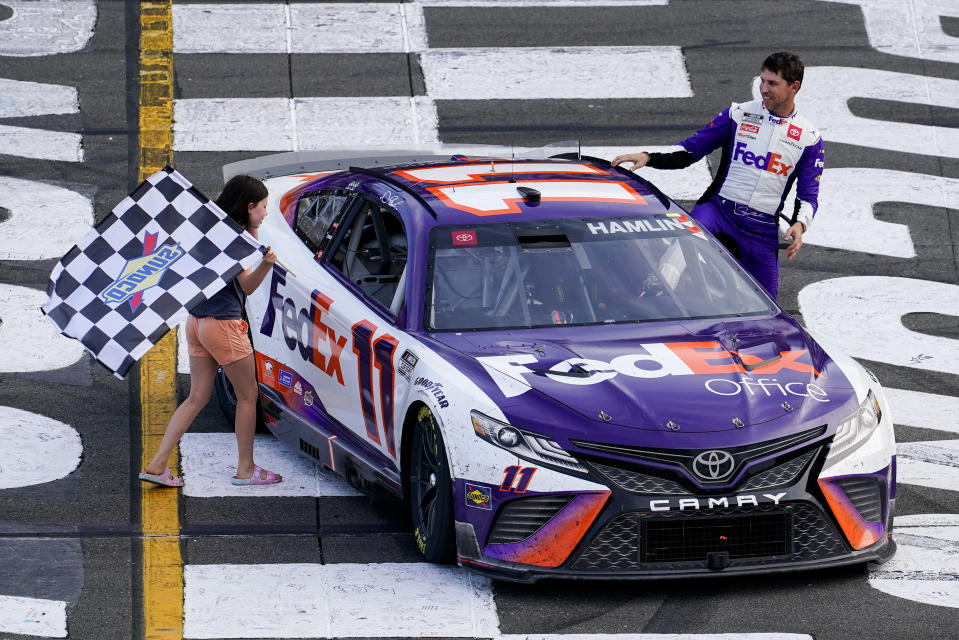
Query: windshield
{"points": [[586, 271]]}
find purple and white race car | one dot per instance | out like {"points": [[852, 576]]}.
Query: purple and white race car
{"points": [[559, 371]]}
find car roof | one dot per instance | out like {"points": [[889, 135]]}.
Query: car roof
{"points": [[454, 188], [466, 190]]}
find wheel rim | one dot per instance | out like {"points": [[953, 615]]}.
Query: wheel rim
{"points": [[426, 470]]}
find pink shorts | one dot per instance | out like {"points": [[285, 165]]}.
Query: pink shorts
{"points": [[226, 341]]}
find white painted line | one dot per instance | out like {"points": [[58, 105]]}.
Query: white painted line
{"points": [[679, 184], [266, 124], [824, 99], [67, 216], [24, 142], [209, 461], [30, 341], [910, 27], [863, 315], [336, 600], [331, 123], [232, 124], [22, 98], [311, 28], [846, 199], [929, 464], [524, 73], [349, 28], [926, 566], [926, 410], [542, 3], [33, 616], [656, 636], [47, 28], [36, 449], [253, 28], [182, 350]]}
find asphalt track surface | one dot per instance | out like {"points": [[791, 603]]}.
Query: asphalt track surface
{"points": [[76, 539]]}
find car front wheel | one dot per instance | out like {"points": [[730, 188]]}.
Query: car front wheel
{"points": [[431, 491]]}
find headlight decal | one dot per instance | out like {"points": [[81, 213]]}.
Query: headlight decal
{"points": [[555, 541], [859, 532]]}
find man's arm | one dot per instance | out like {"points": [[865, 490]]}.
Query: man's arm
{"points": [[694, 148]]}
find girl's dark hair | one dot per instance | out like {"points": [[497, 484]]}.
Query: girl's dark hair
{"points": [[238, 194], [786, 64]]}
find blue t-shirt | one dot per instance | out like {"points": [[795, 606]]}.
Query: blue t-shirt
{"points": [[225, 304]]}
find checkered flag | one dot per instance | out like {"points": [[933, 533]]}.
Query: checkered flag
{"points": [[163, 249]]}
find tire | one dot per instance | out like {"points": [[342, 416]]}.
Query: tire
{"points": [[431, 491], [227, 401]]}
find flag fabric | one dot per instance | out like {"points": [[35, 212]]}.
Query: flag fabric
{"points": [[163, 249]]}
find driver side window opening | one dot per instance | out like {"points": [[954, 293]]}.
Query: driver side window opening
{"points": [[372, 252], [314, 214]]}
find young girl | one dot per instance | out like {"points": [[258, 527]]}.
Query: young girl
{"points": [[217, 335]]}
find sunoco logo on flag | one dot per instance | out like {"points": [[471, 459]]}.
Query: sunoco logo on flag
{"points": [[142, 273], [161, 251]]}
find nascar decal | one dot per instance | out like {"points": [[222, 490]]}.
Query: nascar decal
{"points": [[669, 359], [473, 172], [478, 497], [498, 198], [141, 273]]}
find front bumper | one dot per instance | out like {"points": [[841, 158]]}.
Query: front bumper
{"points": [[652, 526]]}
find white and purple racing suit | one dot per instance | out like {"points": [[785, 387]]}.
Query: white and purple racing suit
{"points": [[763, 155]]}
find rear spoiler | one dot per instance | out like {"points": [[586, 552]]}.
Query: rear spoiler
{"points": [[293, 162]]}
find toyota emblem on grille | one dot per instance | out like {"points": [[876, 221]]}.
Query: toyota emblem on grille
{"points": [[713, 465]]}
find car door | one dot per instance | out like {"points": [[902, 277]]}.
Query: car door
{"points": [[368, 255]]}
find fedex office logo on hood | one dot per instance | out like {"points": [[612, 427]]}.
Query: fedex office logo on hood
{"points": [[660, 359]]}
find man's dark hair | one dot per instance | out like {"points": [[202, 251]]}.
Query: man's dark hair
{"points": [[786, 64]]}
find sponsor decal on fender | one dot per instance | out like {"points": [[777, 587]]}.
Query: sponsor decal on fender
{"points": [[479, 497], [406, 364], [435, 388], [673, 359]]}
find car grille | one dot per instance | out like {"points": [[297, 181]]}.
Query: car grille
{"points": [[684, 539], [865, 495], [779, 475], [683, 458], [521, 518], [626, 541], [645, 483], [636, 482]]}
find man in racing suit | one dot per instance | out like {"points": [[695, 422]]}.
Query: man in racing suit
{"points": [[767, 147]]}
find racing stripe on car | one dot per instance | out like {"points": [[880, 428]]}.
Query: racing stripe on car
{"points": [[159, 508]]}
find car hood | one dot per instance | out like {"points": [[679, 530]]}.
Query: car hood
{"points": [[693, 377]]}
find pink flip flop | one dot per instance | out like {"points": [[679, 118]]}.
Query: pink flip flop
{"points": [[257, 477], [165, 479]]}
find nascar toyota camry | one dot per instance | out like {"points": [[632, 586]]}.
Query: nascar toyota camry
{"points": [[559, 372]]}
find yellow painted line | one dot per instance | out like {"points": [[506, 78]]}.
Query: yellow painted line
{"points": [[159, 508]]}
